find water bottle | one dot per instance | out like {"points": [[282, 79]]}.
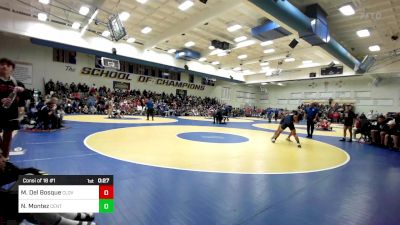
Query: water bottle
{"points": [[11, 96]]}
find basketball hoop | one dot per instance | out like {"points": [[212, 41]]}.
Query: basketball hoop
{"points": [[110, 63]]}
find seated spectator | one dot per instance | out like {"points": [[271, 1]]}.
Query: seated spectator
{"points": [[378, 131], [392, 135], [324, 124], [85, 109], [363, 127], [48, 117], [370, 115]]}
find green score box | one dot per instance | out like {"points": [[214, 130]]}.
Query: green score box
{"points": [[106, 205]]}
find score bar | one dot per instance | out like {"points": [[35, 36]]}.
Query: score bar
{"points": [[66, 194]]}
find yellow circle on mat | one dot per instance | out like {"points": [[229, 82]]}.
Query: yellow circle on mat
{"points": [[159, 146], [336, 132], [201, 118], [126, 119]]}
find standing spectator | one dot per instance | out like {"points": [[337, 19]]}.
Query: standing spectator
{"points": [[312, 116], [349, 119], [9, 104]]}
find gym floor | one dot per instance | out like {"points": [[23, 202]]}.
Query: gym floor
{"points": [[188, 171]]}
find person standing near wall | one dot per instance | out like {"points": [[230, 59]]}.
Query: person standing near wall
{"points": [[349, 120], [11, 96]]}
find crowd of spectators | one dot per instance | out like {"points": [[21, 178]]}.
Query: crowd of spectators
{"points": [[46, 112], [63, 98], [373, 128]]}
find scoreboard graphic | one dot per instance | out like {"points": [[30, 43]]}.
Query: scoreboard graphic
{"points": [[66, 194]]}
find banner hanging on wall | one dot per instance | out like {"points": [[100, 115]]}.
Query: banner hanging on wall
{"points": [[106, 73], [118, 75], [171, 83], [23, 72], [117, 85]]}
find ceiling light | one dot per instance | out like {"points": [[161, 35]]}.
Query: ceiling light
{"points": [[290, 59], [347, 10], [307, 61], [146, 30], [124, 16], [84, 10], [185, 5], [328, 38], [237, 69], [131, 40], [264, 83], [245, 43], [363, 33], [44, 1], [216, 51], [171, 50], [242, 57], [265, 68], [76, 25], [202, 59], [248, 72], [234, 28], [240, 39], [309, 65], [374, 48], [42, 16], [222, 53], [215, 63], [141, 1], [211, 47], [265, 43], [267, 51], [189, 44], [105, 33], [264, 64], [313, 22]]}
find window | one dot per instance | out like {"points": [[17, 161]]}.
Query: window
{"points": [[191, 78], [226, 93], [64, 56]]}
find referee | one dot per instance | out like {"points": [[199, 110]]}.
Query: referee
{"points": [[312, 117]]}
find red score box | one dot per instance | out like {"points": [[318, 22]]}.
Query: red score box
{"points": [[106, 192]]}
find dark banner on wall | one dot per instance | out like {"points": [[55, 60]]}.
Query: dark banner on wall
{"points": [[117, 85], [97, 72], [171, 83]]}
